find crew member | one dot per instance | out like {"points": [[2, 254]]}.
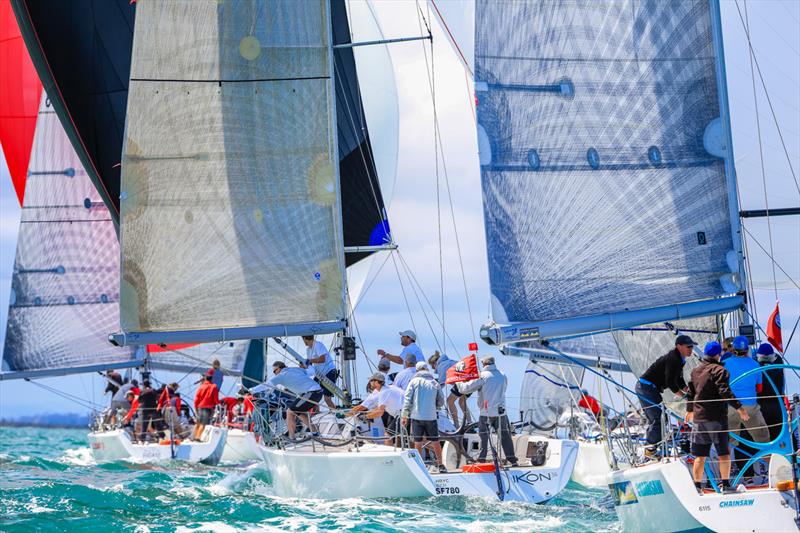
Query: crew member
{"points": [[384, 402], [148, 400], [421, 401], [383, 367], [589, 403], [217, 376], [169, 406], [771, 396], [320, 359], [491, 387], [708, 386], [665, 373], [404, 377], [306, 393], [205, 401], [727, 349], [113, 382], [408, 340], [746, 390]]}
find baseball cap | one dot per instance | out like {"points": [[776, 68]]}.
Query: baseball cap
{"points": [[377, 376], [409, 333], [686, 340], [765, 349], [712, 348], [741, 344], [422, 365]]}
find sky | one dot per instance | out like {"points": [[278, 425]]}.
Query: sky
{"points": [[412, 206]]}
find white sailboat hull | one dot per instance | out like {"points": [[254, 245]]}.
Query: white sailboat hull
{"points": [[662, 497], [530, 484], [591, 465], [371, 471], [116, 445], [240, 447]]}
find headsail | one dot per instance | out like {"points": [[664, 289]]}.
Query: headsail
{"points": [[230, 234], [548, 390], [65, 286], [602, 157]]}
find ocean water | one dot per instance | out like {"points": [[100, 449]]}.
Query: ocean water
{"points": [[49, 482]]}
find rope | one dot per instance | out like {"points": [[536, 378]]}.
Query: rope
{"points": [[771, 258]]}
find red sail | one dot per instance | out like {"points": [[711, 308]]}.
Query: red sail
{"points": [[20, 91]]}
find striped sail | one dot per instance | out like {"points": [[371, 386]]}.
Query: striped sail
{"points": [[230, 203], [602, 160], [65, 285], [548, 390]]}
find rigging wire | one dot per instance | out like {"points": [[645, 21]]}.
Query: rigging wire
{"points": [[403, 290], [424, 314], [761, 151], [766, 94], [771, 258], [86, 404]]}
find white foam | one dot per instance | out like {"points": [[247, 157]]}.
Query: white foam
{"points": [[77, 457], [217, 527]]}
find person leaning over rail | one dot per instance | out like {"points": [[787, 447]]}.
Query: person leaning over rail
{"points": [[307, 393], [706, 408], [665, 373], [384, 402], [746, 390], [421, 403], [491, 387]]}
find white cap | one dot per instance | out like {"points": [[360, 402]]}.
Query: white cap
{"points": [[409, 333], [422, 365]]}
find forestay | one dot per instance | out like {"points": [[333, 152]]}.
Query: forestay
{"points": [[65, 285], [601, 152], [230, 202]]}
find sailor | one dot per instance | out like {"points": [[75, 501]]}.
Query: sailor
{"points": [[421, 402], [440, 363], [727, 349], [771, 396], [306, 393], [709, 385], [746, 391], [113, 382], [383, 367], [169, 406], [404, 377], [491, 387], [665, 372], [120, 399], [318, 357], [133, 406], [238, 413], [589, 403], [205, 401], [148, 400], [384, 402], [408, 339], [217, 376]]}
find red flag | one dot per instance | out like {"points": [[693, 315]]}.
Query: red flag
{"points": [[774, 329], [163, 400], [133, 409], [464, 370]]}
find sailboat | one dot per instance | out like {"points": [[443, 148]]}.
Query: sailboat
{"points": [[611, 205]]}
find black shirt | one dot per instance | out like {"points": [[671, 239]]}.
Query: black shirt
{"points": [[709, 389], [148, 399], [767, 397], [667, 372]]}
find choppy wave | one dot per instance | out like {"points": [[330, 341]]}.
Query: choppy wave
{"points": [[50, 475]]}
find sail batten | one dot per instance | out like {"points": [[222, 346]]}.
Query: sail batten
{"points": [[603, 161], [231, 209]]}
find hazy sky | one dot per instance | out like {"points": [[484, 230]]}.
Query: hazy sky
{"points": [[412, 211]]}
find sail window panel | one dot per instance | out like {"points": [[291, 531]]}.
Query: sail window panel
{"points": [[205, 40], [229, 214], [65, 284], [595, 224]]}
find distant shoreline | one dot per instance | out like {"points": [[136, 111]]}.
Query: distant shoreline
{"points": [[19, 424]]}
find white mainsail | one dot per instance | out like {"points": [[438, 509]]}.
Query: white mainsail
{"points": [[603, 150], [230, 195], [64, 293]]}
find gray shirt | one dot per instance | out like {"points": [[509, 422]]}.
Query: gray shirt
{"points": [[423, 397], [491, 387]]}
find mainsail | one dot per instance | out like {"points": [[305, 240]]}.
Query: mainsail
{"points": [[603, 145], [65, 285], [230, 202]]}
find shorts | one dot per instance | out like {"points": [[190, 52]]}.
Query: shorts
{"points": [[704, 434], [424, 428], [454, 390], [306, 402], [333, 375], [204, 415], [390, 423]]}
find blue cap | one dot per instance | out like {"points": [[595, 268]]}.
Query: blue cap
{"points": [[712, 348], [765, 349], [741, 344]]}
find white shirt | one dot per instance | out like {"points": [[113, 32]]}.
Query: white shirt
{"points": [[314, 351], [388, 380], [390, 397], [403, 377], [412, 349], [294, 380]]}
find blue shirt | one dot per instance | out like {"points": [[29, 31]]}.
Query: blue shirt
{"points": [[414, 350], [745, 389]]}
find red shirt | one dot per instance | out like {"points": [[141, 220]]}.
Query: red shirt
{"points": [[589, 403], [207, 396], [248, 404], [132, 410], [230, 403]]}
